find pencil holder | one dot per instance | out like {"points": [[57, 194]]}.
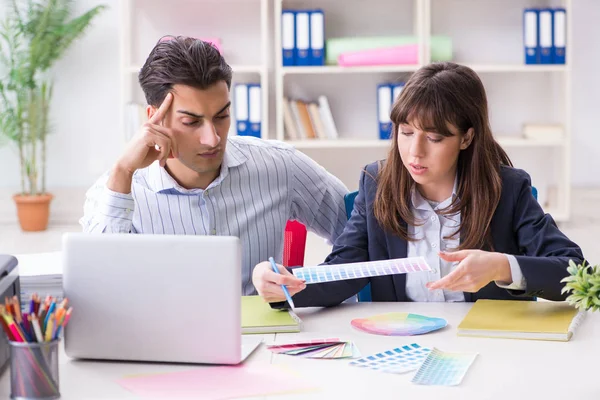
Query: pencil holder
{"points": [[34, 370]]}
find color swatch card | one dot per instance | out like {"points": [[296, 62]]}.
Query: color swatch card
{"points": [[318, 348], [399, 324], [397, 361], [445, 369], [339, 272]]}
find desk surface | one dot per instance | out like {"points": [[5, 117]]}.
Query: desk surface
{"points": [[503, 369]]}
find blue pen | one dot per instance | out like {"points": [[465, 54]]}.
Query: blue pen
{"points": [[285, 291]]}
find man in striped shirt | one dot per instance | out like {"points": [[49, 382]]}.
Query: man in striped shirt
{"points": [[181, 174]]}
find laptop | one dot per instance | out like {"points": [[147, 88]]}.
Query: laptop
{"points": [[158, 298]]}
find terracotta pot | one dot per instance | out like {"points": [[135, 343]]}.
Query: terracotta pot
{"points": [[33, 211]]}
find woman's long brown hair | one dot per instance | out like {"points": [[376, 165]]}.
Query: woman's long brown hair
{"points": [[435, 96]]}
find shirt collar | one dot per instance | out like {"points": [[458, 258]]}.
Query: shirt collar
{"points": [[159, 180]]}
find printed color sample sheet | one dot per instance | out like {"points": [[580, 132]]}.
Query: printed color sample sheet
{"points": [[397, 361], [329, 273], [446, 369]]}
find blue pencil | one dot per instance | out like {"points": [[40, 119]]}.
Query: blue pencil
{"points": [[283, 287]]}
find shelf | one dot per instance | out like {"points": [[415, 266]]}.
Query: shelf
{"points": [[374, 143], [411, 68], [339, 143], [508, 141], [517, 68], [332, 69], [253, 69]]}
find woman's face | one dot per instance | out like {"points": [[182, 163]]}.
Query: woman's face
{"points": [[431, 158]]}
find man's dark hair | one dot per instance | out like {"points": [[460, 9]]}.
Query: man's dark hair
{"points": [[185, 61]]}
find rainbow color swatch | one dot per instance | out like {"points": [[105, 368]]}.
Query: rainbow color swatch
{"points": [[399, 324], [340, 272]]}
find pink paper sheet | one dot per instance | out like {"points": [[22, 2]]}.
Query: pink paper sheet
{"points": [[216, 383]]}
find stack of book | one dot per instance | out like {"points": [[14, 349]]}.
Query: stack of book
{"points": [[308, 120]]}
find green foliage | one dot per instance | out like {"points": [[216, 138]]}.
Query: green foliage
{"points": [[583, 284], [35, 34]]}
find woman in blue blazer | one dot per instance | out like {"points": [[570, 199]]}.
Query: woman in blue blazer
{"points": [[447, 192]]}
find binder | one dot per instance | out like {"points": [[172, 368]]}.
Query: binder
{"points": [[288, 38], [302, 38], [560, 35], [317, 122], [302, 134], [254, 110], [384, 105], [396, 90], [530, 35], [317, 37], [305, 120], [241, 109], [327, 118], [288, 121], [545, 35]]}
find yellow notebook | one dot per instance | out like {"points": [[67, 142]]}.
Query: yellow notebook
{"points": [[535, 320], [259, 317]]}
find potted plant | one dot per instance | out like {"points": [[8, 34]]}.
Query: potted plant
{"points": [[583, 286], [33, 36]]}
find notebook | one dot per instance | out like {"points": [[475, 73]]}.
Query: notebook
{"points": [[259, 317], [534, 320]]}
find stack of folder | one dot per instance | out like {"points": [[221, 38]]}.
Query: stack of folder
{"points": [[387, 94], [308, 120], [303, 37], [545, 35], [248, 109]]}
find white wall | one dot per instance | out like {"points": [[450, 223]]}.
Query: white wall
{"points": [[86, 111]]}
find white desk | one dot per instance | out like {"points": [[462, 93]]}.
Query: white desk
{"points": [[504, 369]]}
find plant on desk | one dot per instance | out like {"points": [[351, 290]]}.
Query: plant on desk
{"points": [[34, 35], [583, 284]]}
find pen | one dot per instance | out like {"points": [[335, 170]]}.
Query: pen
{"points": [[285, 291]]}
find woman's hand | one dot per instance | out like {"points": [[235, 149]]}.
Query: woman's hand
{"points": [[476, 268], [268, 283]]}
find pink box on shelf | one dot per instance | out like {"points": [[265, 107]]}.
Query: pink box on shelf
{"points": [[397, 55]]}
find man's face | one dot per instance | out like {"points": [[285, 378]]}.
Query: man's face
{"points": [[200, 120]]}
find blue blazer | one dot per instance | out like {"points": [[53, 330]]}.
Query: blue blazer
{"points": [[519, 227]]}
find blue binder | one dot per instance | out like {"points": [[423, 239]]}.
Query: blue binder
{"points": [[397, 90], [531, 35], [241, 109], [255, 110], [560, 35], [317, 37], [384, 106], [302, 38], [288, 37], [545, 38]]}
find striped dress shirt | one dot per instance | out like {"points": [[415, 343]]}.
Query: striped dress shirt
{"points": [[261, 185]]}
